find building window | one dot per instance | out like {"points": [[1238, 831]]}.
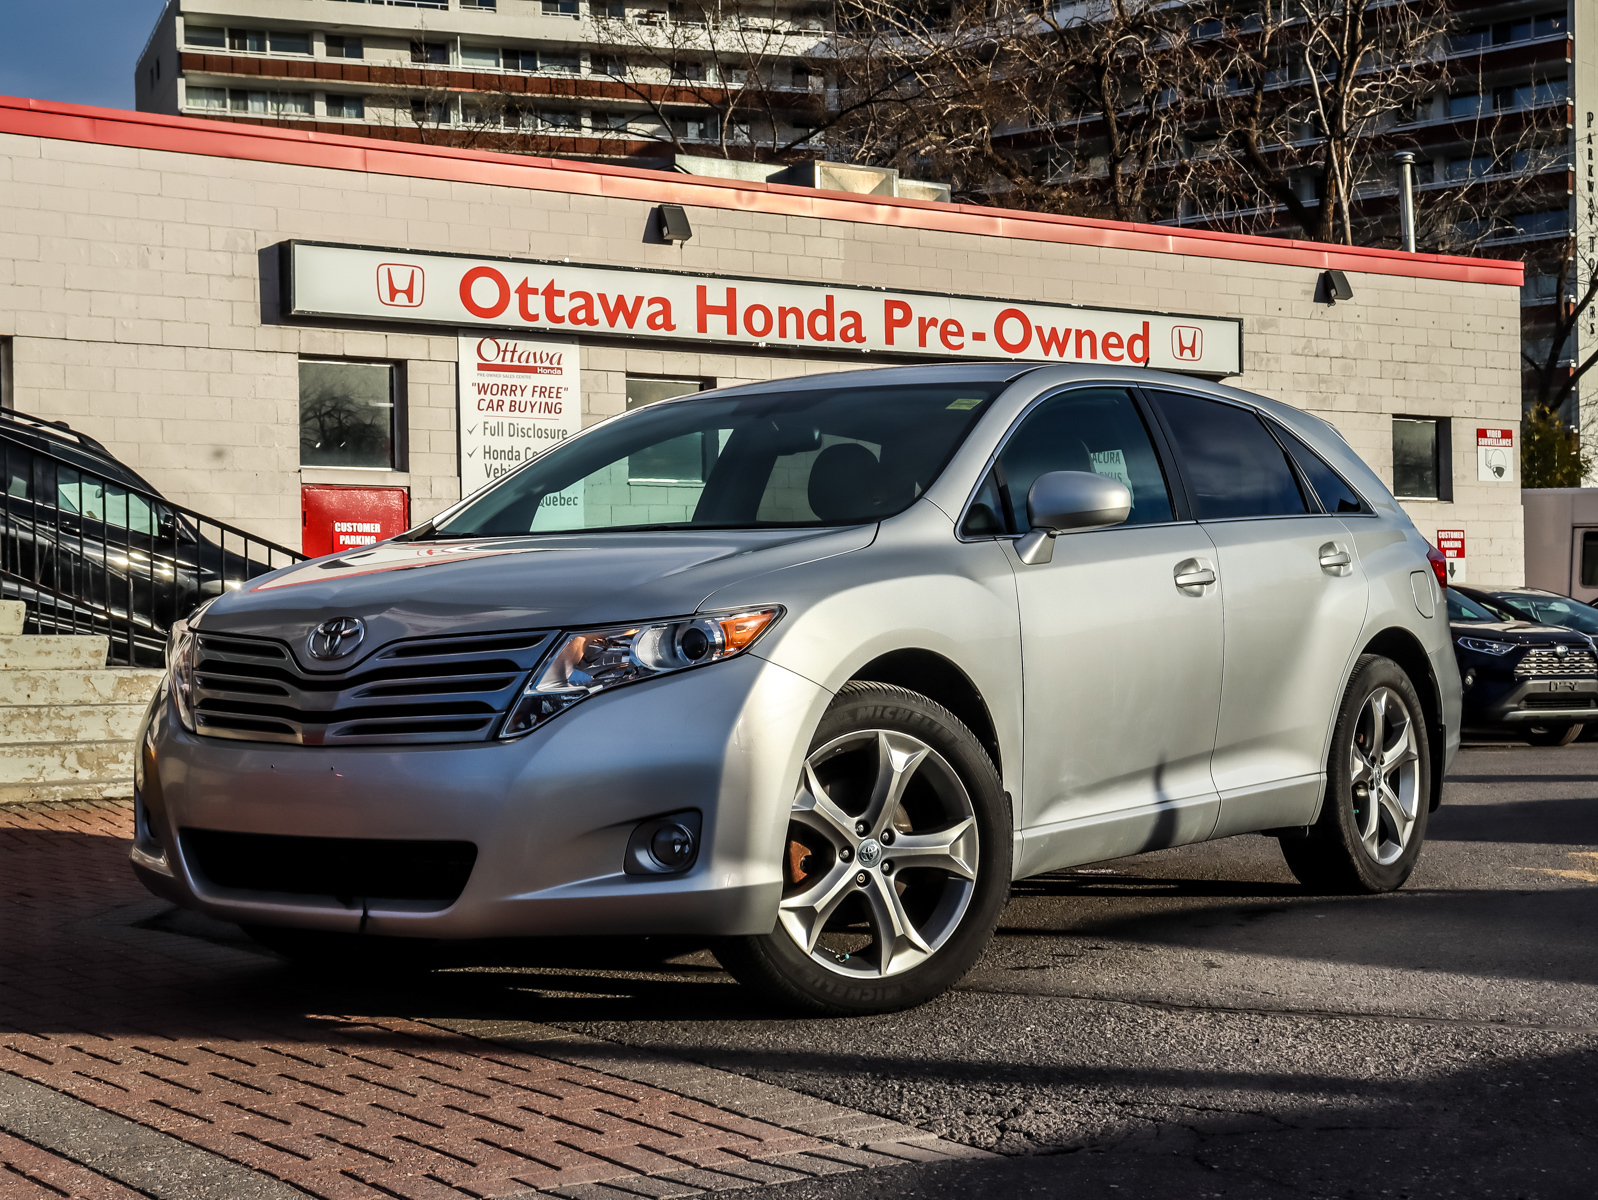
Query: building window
{"points": [[212, 98], [7, 381], [207, 37], [480, 56], [433, 53], [607, 64], [560, 120], [348, 108], [684, 460], [562, 62], [430, 112], [489, 5], [289, 43], [560, 8], [613, 10], [687, 69], [1422, 458], [349, 414], [345, 47], [271, 104]]}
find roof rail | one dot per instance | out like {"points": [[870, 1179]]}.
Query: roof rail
{"points": [[56, 428]]}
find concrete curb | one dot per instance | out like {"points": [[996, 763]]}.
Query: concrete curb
{"points": [[143, 1159]]}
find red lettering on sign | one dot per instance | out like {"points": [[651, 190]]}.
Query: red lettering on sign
{"points": [[1054, 341], [821, 323], [727, 311], [471, 279], [896, 315], [760, 313], [628, 313], [1002, 322]]}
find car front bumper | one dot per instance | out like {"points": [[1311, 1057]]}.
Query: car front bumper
{"points": [[1522, 702], [549, 813]]}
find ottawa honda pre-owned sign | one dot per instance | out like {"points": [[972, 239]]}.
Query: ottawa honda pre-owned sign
{"points": [[569, 299]]}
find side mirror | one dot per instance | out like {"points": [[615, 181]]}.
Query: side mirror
{"points": [[1060, 501]]}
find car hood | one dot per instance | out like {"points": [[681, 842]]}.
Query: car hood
{"points": [[428, 588], [1521, 633]]}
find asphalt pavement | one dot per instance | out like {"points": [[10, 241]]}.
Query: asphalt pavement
{"points": [[1192, 1023]]}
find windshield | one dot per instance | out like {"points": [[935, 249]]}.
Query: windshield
{"points": [[830, 456], [1461, 608], [1550, 609]]}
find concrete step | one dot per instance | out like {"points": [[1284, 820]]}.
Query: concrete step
{"points": [[12, 615], [109, 685], [69, 763], [25, 723], [20, 652], [32, 793]]}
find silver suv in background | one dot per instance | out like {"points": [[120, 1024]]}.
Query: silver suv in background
{"points": [[814, 669]]}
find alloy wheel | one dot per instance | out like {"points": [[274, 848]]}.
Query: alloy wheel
{"points": [[1384, 775], [882, 852]]}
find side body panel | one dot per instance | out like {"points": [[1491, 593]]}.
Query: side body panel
{"points": [[1123, 684], [1292, 632]]}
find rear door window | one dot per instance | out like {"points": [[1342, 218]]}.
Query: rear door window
{"points": [[1233, 466], [1335, 495]]}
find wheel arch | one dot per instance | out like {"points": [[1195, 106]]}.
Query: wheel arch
{"points": [[940, 680], [1404, 648]]}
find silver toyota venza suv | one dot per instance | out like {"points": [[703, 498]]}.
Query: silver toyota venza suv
{"points": [[813, 670]]}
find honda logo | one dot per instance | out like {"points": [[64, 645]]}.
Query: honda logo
{"points": [[1187, 343], [336, 638], [400, 285]]}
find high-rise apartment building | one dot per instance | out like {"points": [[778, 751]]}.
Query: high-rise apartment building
{"points": [[589, 78]]}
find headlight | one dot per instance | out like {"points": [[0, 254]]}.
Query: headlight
{"points": [[180, 671], [181, 646], [1483, 646], [594, 660]]}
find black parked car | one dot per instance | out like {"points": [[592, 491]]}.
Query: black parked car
{"points": [[1539, 682], [92, 547], [1536, 605]]}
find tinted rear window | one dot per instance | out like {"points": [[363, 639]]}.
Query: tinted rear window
{"points": [[1232, 464]]}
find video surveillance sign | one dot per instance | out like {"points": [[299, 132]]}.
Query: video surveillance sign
{"points": [[1495, 455]]}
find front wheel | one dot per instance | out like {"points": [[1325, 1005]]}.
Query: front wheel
{"points": [[896, 863], [1378, 788]]}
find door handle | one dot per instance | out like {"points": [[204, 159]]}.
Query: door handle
{"points": [[1334, 556], [1191, 573]]}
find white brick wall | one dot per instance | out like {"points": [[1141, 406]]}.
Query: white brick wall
{"points": [[130, 281]]}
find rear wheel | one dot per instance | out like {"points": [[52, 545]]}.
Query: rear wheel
{"points": [[1378, 785], [896, 863], [1553, 735]]}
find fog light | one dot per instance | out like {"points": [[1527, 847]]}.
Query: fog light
{"points": [[665, 845]]}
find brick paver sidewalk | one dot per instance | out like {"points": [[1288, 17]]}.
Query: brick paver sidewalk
{"points": [[345, 1107]]}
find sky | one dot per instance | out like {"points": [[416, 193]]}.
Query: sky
{"points": [[79, 51]]}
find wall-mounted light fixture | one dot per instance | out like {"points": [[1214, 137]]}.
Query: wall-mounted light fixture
{"points": [[1334, 287], [674, 226]]}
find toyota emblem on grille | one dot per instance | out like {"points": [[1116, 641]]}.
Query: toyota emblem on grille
{"points": [[336, 638], [1561, 651]]}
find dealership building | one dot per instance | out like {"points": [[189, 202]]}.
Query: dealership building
{"points": [[318, 338]]}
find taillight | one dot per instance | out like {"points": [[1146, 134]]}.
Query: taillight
{"points": [[1439, 565]]}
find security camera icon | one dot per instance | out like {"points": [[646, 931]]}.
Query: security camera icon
{"points": [[1498, 463]]}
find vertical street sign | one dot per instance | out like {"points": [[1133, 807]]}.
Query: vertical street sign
{"points": [[1452, 543]]}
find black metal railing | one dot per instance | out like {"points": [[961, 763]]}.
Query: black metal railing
{"points": [[90, 554]]}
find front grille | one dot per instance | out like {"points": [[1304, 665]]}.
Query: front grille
{"points": [[347, 869], [1543, 662], [452, 689], [1565, 702]]}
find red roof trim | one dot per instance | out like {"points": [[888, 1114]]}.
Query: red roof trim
{"points": [[189, 135]]}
